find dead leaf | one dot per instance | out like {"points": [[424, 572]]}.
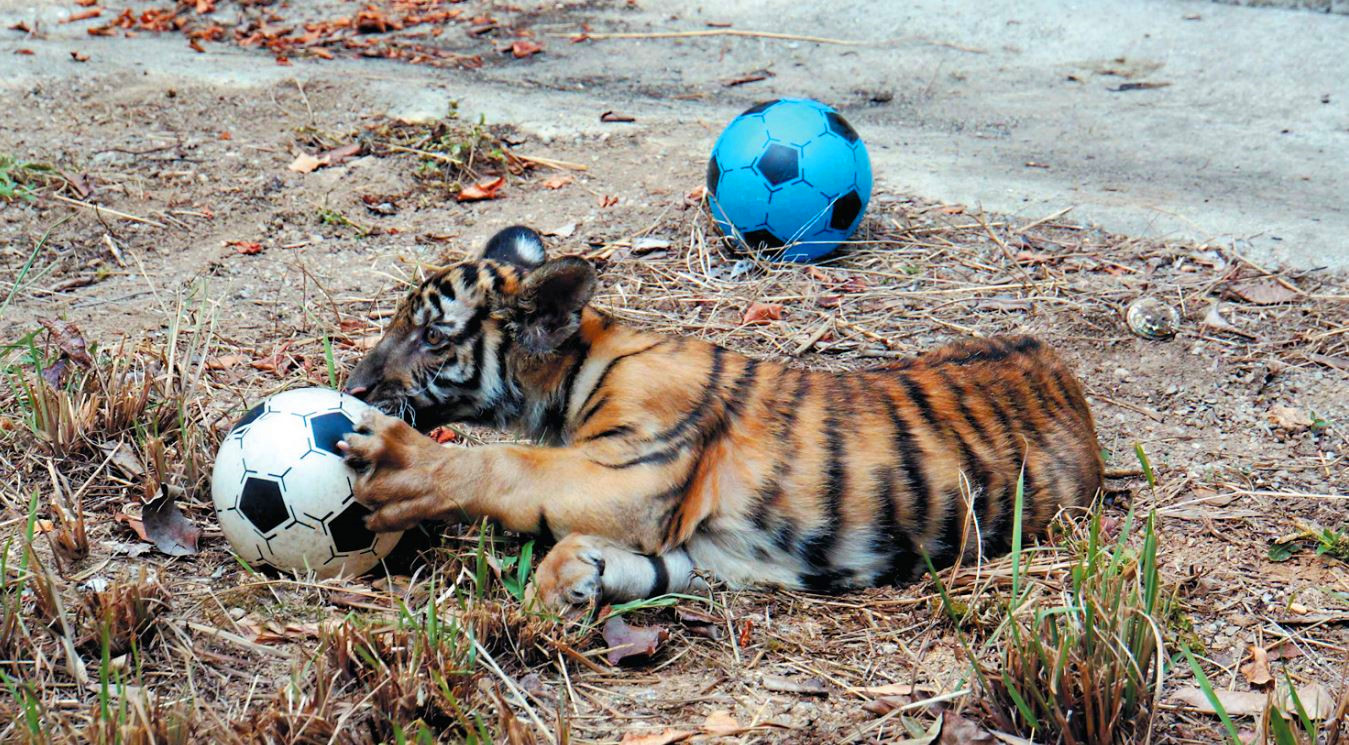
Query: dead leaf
{"points": [[247, 248], [340, 154], [55, 373], [7, 424], [761, 313], [79, 56], [168, 528], [443, 435], [627, 642], [20, 26], [119, 454], [668, 737], [958, 730], [700, 623], [885, 704], [562, 231], [1264, 291], [305, 163], [613, 117], [746, 632], [559, 181], [134, 523], [1289, 418], [889, 689], [1214, 319], [607, 200], [482, 190], [1320, 704], [1256, 671], [225, 361], [522, 48], [721, 723], [1285, 651], [698, 194], [807, 687], [24, 50], [69, 339]]}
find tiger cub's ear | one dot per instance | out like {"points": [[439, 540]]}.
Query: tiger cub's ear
{"points": [[548, 308], [516, 245]]}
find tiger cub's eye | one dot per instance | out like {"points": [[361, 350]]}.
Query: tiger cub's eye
{"points": [[433, 336]]}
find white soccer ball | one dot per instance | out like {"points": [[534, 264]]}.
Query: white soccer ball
{"points": [[284, 496]]}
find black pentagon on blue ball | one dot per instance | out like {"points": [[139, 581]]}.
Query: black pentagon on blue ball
{"points": [[840, 126], [760, 107], [328, 429], [778, 164], [348, 529], [846, 210], [761, 238], [713, 175], [262, 504]]}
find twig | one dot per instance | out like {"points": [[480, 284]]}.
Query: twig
{"points": [[724, 32], [99, 209], [561, 165]]}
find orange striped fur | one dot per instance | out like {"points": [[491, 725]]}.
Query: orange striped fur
{"points": [[663, 459]]}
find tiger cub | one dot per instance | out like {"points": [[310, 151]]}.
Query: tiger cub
{"points": [[662, 460]]}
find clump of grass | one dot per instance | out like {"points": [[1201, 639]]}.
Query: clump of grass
{"points": [[126, 614], [450, 152], [1082, 665], [20, 179]]}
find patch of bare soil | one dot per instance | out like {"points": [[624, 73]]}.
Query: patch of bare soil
{"points": [[179, 225]]}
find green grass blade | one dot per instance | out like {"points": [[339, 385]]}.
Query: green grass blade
{"points": [[328, 358], [1308, 727], [1283, 734], [29, 264], [1210, 694], [1146, 464], [1018, 508]]}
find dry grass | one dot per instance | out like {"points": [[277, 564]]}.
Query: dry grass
{"points": [[101, 645]]}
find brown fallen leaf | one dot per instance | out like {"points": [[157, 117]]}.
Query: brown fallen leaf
{"points": [[119, 454], [958, 730], [667, 737], [79, 56], [1285, 651], [1143, 86], [69, 340], [883, 705], [721, 723], [304, 163], [807, 687], [1289, 418], [613, 117], [629, 642], [606, 201], [700, 623], [1256, 671], [247, 248], [340, 154], [134, 523], [20, 26], [1316, 698], [559, 181], [522, 48], [761, 313], [226, 361], [168, 528], [443, 435], [698, 194], [25, 51], [55, 373], [1264, 291], [482, 190]]}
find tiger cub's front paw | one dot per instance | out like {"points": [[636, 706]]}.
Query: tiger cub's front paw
{"points": [[571, 575]]}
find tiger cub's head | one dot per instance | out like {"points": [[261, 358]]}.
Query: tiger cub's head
{"points": [[457, 341]]}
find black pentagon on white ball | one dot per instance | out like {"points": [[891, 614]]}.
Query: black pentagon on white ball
{"points": [[778, 164], [760, 107], [262, 504], [713, 175], [327, 429], [348, 530]]}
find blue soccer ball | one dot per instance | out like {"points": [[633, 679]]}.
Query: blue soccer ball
{"points": [[790, 177]]}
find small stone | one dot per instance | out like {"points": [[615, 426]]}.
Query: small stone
{"points": [[237, 613]]}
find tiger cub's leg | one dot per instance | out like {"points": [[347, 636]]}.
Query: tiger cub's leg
{"points": [[582, 568]]}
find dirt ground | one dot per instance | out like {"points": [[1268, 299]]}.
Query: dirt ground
{"points": [[1242, 414]]}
